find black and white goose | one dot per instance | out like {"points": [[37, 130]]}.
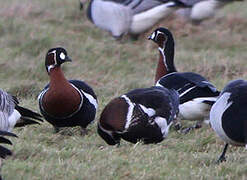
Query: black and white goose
{"points": [[228, 116], [3, 140], [141, 114], [65, 103], [202, 9], [196, 94], [120, 17], [13, 115]]}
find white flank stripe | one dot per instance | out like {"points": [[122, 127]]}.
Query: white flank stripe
{"points": [[130, 111], [91, 99], [149, 111], [180, 95], [216, 114], [162, 123]]}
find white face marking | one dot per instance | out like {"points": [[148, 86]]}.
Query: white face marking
{"points": [[62, 55], [153, 35]]}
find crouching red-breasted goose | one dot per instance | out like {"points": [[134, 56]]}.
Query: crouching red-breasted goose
{"points": [[197, 95], [3, 140], [65, 103], [141, 114], [120, 17], [13, 115], [228, 116]]}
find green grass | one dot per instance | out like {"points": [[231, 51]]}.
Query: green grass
{"points": [[216, 49]]}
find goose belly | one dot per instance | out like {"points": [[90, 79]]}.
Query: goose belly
{"points": [[194, 110], [145, 20], [111, 17], [204, 9], [216, 118]]}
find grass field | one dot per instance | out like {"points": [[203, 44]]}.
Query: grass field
{"points": [[216, 49]]}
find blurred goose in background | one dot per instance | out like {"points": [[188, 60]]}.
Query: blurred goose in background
{"points": [[3, 150], [228, 116], [201, 9], [120, 17], [12, 115], [65, 103], [139, 115], [196, 94]]}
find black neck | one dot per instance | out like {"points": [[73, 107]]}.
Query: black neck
{"points": [[168, 52], [89, 11]]}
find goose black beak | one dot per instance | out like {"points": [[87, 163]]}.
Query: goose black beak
{"points": [[68, 59]]}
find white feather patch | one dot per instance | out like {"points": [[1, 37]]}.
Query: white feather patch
{"points": [[91, 99], [149, 111], [13, 118], [195, 109], [216, 113], [162, 123], [143, 21], [130, 111]]}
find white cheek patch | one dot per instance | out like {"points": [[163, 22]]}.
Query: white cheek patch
{"points": [[62, 55], [153, 36]]}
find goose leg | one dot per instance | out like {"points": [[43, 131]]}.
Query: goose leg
{"points": [[222, 156], [84, 131], [196, 126], [56, 129]]}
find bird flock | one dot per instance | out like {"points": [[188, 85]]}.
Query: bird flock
{"points": [[143, 114]]}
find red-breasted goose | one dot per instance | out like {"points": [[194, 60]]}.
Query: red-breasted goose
{"points": [[65, 103], [3, 150], [120, 17], [228, 115], [13, 115], [141, 114], [197, 95]]}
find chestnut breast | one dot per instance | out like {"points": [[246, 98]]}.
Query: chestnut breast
{"points": [[61, 99], [114, 115]]}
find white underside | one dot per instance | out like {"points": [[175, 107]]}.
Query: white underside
{"points": [[216, 114], [111, 16], [204, 9], [145, 20], [13, 118], [195, 110]]}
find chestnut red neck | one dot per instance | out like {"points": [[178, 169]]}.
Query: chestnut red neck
{"points": [[166, 62]]}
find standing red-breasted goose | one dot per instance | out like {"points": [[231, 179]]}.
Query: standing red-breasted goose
{"points": [[197, 94], [65, 103], [139, 115]]}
